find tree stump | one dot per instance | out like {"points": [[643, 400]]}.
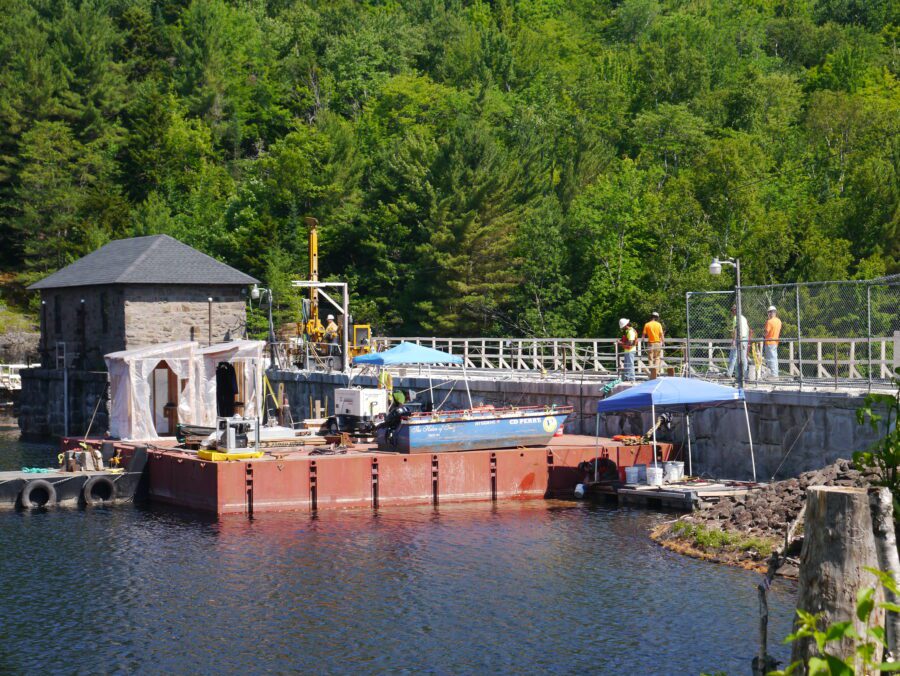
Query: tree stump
{"points": [[838, 544]]}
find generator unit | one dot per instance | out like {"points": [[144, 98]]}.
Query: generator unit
{"points": [[355, 409], [237, 435]]}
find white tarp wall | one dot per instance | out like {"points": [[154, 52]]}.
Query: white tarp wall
{"points": [[130, 371], [246, 352]]}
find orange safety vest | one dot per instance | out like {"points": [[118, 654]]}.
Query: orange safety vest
{"points": [[653, 331], [773, 331]]}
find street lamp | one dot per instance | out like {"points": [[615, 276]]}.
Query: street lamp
{"points": [[715, 268], [255, 294]]}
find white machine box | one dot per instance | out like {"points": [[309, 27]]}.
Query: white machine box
{"points": [[359, 402]]}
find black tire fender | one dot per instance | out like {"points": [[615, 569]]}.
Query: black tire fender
{"points": [[38, 493], [98, 490]]}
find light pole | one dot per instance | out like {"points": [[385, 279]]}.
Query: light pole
{"points": [[715, 268], [255, 294]]}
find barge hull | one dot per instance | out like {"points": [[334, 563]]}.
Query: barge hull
{"points": [[305, 482]]}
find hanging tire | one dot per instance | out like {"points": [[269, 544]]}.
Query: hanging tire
{"points": [[37, 494], [98, 490]]}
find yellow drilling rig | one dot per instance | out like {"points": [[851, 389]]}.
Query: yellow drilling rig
{"points": [[338, 340]]}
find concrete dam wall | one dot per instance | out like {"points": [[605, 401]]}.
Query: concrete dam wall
{"points": [[793, 432]]}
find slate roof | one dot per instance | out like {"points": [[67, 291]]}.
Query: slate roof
{"points": [[157, 259]]}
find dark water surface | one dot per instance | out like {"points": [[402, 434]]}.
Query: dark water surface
{"points": [[535, 587]]}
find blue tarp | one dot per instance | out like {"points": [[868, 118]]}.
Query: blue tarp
{"points": [[407, 353], [670, 393]]}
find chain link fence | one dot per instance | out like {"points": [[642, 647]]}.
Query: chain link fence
{"points": [[840, 333]]}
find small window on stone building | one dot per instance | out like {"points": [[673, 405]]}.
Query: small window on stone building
{"points": [[57, 315], [104, 313]]}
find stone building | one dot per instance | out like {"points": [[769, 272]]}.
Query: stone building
{"points": [[137, 292], [129, 293]]}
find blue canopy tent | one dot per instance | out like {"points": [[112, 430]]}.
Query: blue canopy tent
{"points": [[410, 353], [684, 394]]}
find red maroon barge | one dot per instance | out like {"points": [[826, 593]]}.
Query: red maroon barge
{"points": [[302, 479]]}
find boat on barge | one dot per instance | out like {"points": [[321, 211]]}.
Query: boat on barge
{"points": [[470, 429], [473, 429]]}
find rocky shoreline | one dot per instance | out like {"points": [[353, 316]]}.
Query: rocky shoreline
{"points": [[744, 530]]}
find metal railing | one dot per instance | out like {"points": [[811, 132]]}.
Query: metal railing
{"points": [[837, 333], [594, 356], [815, 361]]}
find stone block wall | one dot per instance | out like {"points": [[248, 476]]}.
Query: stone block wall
{"points": [[41, 407], [90, 320], [793, 432], [165, 313], [96, 320]]}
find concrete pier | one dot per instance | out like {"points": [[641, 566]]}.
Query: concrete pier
{"points": [[42, 408]]}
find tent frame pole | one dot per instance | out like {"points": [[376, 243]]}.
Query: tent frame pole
{"points": [[690, 466], [653, 422], [750, 437], [430, 388], [596, 447], [466, 381]]}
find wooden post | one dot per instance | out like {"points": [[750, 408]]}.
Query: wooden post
{"points": [[882, 506], [838, 544]]}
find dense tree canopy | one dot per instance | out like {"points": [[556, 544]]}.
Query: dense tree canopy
{"points": [[532, 167]]}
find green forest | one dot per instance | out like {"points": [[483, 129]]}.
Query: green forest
{"points": [[517, 168]]}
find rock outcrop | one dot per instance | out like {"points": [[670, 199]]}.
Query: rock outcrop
{"points": [[742, 530]]}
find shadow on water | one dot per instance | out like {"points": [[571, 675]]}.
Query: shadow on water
{"points": [[515, 587]]}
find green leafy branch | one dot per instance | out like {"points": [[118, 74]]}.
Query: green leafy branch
{"points": [[881, 412]]}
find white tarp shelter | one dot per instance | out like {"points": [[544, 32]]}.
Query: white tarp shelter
{"points": [[248, 355], [132, 382]]}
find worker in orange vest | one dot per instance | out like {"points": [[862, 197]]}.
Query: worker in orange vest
{"points": [[654, 335], [772, 336]]}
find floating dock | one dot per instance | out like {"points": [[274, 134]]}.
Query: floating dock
{"points": [[315, 478], [48, 489], [686, 495]]}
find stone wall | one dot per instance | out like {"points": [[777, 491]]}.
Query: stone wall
{"points": [[793, 432], [166, 313], [90, 320], [41, 408], [96, 320]]}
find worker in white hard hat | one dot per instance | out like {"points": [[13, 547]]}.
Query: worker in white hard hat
{"points": [[628, 344], [772, 334], [331, 335]]}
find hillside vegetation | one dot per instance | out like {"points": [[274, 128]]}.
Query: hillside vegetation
{"points": [[540, 167]]}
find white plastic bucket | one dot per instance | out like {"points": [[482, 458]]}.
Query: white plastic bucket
{"points": [[632, 475], [655, 476], [642, 474], [674, 470]]}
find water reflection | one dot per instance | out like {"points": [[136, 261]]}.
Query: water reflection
{"points": [[530, 587]]}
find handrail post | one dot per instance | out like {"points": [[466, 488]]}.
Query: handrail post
{"points": [[687, 353], [799, 337], [616, 353], [869, 329]]}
